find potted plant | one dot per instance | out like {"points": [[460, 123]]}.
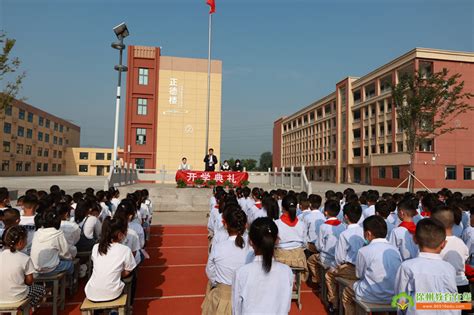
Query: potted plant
{"points": [[199, 182], [244, 183], [211, 183], [228, 184], [181, 183]]}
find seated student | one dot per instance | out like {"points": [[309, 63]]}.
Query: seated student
{"points": [[291, 237], [270, 207], [104, 209], [468, 236], [72, 231], [402, 236], [17, 269], [112, 261], [49, 250], [213, 220], [253, 211], [326, 241], [376, 265], [347, 247], [27, 219], [457, 212], [115, 198], [305, 209], [86, 216], [225, 258], [372, 199], [427, 272], [313, 221], [248, 200], [126, 212], [11, 217], [384, 208], [146, 201], [455, 251], [263, 286], [467, 204]]}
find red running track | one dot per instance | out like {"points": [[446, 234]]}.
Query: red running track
{"points": [[174, 281]]}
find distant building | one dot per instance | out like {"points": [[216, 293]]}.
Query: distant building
{"points": [[165, 115], [34, 142], [88, 161], [353, 136]]}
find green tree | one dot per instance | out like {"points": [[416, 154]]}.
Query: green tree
{"points": [[8, 67], [249, 164], [266, 160], [427, 105]]}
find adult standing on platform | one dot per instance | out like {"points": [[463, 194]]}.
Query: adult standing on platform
{"points": [[211, 161]]}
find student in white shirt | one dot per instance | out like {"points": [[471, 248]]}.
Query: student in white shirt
{"points": [[402, 236], [184, 166], [49, 250], [27, 220], [104, 209], [263, 286], [72, 231], [372, 198], [291, 237], [248, 201], [468, 237], [427, 272], [455, 251], [347, 247], [313, 221], [115, 198], [376, 265], [225, 258], [86, 216], [383, 209], [255, 207], [327, 238], [16, 276], [112, 262], [214, 220], [135, 237]]}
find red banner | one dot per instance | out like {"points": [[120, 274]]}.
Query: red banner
{"points": [[221, 178]]}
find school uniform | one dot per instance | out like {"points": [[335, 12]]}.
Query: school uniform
{"points": [[72, 233], [458, 229], [28, 222], [248, 203], [314, 220], [132, 241], [212, 219], [255, 211], [225, 258], [91, 227], [376, 265], [468, 238], [256, 292], [393, 218], [402, 238], [105, 212], [456, 253], [50, 252], [115, 202], [347, 247], [390, 227], [424, 274], [140, 232], [367, 212], [105, 283], [466, 220], [14, 266]]}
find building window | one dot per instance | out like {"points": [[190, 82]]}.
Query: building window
{"points": [[5, 166], [140, 163], [46, 137], [56, 126], [450, 172], [61, 128], [356, 152], [142, 76], [100, 156], [55, 154], [46, 152], [29, 133], [60, 141], [400, 146], [60, 154], [7, 128], [28, 150], [54, 167], [21, 131], [83, 168], [83, 155], [395, 172], [40, 121], [141, 136], [55, 140], [8, 110], [40, 152], [27, 166], [48, 123], [469, 173], [19, 148], [40, 136], [38, 167], [382, 172], [30, 117], [45, 167], [21, 114], [109, 156], [426, 146], [59, 167], [19, 166], [6, 146], [142, 106], [389, 148], [382, 147]]}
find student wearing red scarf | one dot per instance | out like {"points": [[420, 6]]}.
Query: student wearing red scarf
{"points": [[402, 236], [292, 237]]}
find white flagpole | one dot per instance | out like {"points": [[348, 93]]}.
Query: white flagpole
{"points": [[208, 84]]}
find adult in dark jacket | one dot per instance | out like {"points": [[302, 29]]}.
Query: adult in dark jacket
{"points": [[210, 160]]}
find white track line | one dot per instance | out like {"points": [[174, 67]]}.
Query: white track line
{"points": [[173, 266], [170, 247]]}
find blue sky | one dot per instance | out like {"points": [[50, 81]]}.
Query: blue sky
{"points": [[278, 56]]}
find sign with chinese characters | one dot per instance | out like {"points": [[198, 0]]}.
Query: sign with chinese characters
{"points": [[175, 98], [221, 178]]}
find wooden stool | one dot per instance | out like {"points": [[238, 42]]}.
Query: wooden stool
{"points": [[58, 282], [88, 307], [22, 306], [370, 308], [324, 289], [296, 293], [73, 280], [86, 256], [128, 292], [341, 285]]}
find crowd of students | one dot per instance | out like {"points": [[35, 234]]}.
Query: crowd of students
{"points": [[44, 232], [386, 244]]}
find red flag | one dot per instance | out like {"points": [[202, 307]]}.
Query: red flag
{"points": [[212, 4]]}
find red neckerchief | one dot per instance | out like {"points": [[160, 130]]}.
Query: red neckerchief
{"points": [[258, 204], [335, 222], [410, 226], [285, 218], [426, 214]]}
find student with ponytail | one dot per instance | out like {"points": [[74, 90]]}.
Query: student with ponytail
{"points": [[17, 269], [225, 258], [112, 261], [292, 236], [263, 286], [256, 210]]}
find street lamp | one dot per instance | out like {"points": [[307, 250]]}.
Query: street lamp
{"points": [[121, 31]]}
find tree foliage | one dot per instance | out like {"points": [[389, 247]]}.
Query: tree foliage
{"points": [[266, 160], [9, 67]]}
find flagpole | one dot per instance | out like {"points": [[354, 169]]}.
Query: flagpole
{"points": [[208, 84]]}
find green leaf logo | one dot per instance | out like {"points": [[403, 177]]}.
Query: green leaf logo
{"points": [[402, 301]]}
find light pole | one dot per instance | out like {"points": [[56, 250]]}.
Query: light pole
{"points": [[121, 31]]}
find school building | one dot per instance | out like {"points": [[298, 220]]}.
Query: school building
{"points": [[352, 135], [89, 161], [34, 142], [166, 104]]}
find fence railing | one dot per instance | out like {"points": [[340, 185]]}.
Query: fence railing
{"points": [[290, 179], [124, 174]]}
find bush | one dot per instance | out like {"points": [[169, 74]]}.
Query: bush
{"points": [[245, 183], [181, 183]]}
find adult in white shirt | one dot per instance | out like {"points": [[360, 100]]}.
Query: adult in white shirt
{"points": [[248, 297], [112, 261], [184, 166]]}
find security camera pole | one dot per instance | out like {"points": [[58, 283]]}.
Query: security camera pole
{"points": [[121, 31]]}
